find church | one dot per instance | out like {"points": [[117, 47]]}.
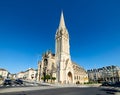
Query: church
{"points": [[59, 65]]}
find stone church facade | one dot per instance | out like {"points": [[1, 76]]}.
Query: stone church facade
{"points": [[60, 65]]}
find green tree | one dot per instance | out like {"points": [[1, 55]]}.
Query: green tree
{"points": [[47, 77], [1, 77], [53, 78], [42, 78]]}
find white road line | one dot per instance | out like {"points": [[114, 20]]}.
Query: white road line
{"points": [[7, 85]]}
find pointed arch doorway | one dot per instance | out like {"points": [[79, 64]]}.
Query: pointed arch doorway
{"points": [[70, 78]]}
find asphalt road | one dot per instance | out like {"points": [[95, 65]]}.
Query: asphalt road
{"points": [[25, 84], [69, 91]]}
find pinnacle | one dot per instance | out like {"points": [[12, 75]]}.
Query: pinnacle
{"points": [[62, 22]]}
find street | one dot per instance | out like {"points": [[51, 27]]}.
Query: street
{"points": [[25, 84], [68, 91]]}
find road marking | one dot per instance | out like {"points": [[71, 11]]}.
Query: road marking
{"points": [[7, 85], [19, 85]]}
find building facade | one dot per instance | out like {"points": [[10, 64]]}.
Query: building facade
{"points": [[29, 74], [60, 65], [4, 73], [108, 73], [20, 75]]}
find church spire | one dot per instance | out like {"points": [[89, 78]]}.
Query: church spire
{"points": [[62, 22]]}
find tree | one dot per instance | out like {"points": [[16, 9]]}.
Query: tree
{"points": [[44, 76], [53, 78], [47, 77], [1, 77]]}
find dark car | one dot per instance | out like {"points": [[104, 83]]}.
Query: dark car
{"points": [[7, 82], [107, 84], [117, 84], [18, 81]]}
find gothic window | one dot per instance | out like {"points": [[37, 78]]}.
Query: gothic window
{"points": [[75, 77], [40, 66], [45, 62], [79, 77]]}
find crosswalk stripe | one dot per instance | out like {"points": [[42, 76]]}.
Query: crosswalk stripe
{"points": [[16, 85]]}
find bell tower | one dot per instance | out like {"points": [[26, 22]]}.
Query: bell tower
{"points": [[62, 49]]}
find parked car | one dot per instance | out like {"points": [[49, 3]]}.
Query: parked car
{"points": [[117, 84], [18, 81], [7, 82], [107, 84]]}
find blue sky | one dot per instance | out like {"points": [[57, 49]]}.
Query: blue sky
{"points": [[28, 27]]}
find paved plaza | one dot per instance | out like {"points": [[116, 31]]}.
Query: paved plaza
{"points": [[63, 91], [57, 89]]}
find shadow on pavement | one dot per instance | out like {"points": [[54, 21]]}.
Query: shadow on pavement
{"points": [[110, 91]]}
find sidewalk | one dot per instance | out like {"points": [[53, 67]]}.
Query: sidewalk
{"points": [[71, 85], [19, 89]]}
